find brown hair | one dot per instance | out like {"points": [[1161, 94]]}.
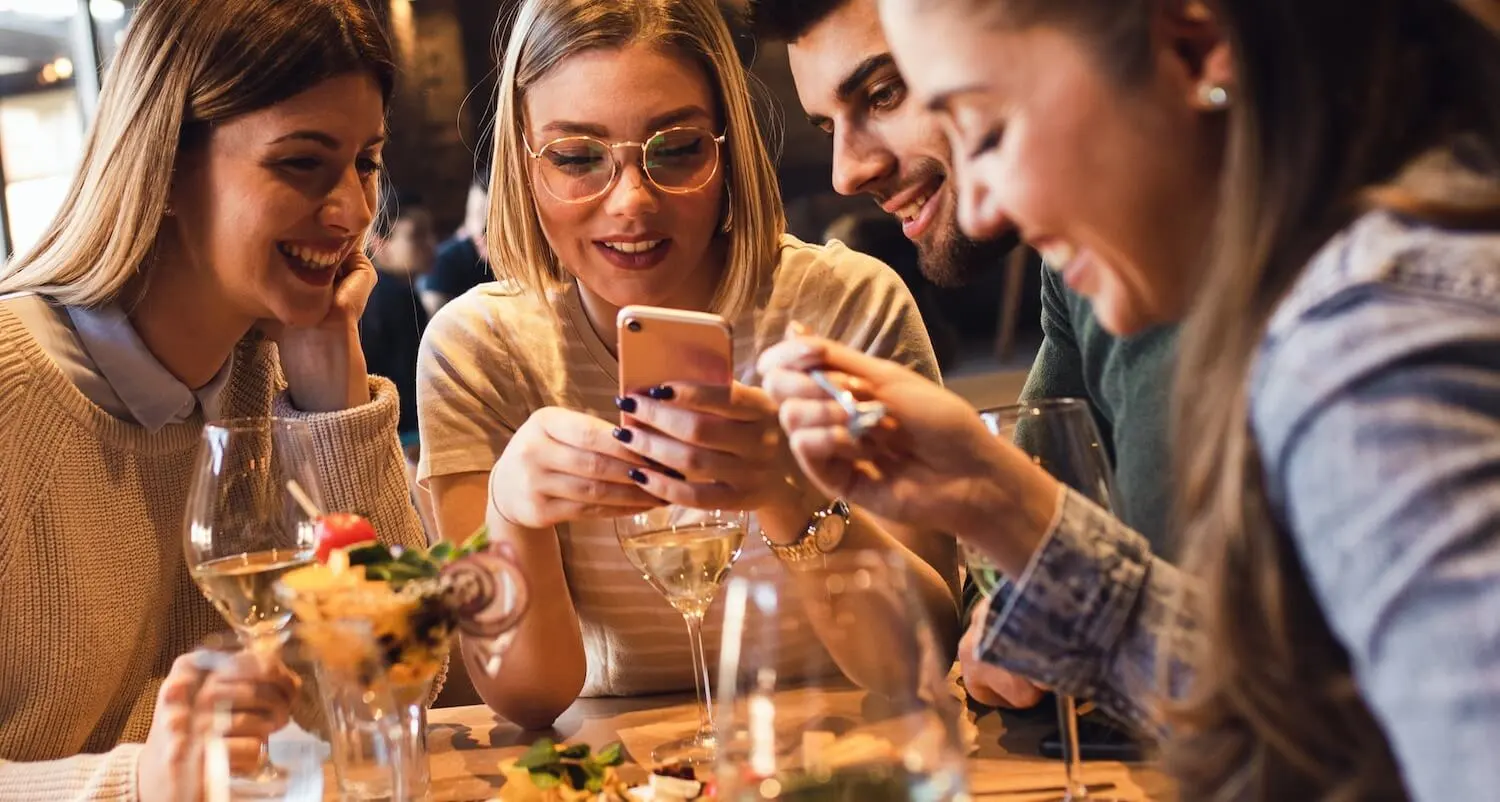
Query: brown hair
{"points": [[183, 66], [1333, 101], [546, 33]]}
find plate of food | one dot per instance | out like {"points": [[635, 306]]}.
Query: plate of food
{"points": [[556, 772]]}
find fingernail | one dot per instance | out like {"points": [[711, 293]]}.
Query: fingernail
{"points": [[623, 435], [636, 475], [796, 329], [662, 393], [625, 404]]}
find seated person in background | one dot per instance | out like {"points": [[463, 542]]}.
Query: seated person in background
{"points": [[207, 263], [461, 263], [390, 330], [518, 379], [887, 147]]}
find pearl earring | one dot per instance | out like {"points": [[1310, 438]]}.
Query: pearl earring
{"points": [[1214, 96]]}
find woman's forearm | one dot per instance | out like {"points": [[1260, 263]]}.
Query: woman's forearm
{"points": [[544, 667]]}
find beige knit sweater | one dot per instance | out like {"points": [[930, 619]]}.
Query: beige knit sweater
{"points": [[95, 599]]}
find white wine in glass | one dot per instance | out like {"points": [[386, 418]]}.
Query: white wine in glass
{"points": [[685, 554], [243, 531], [1060, 436], [242, 587]]}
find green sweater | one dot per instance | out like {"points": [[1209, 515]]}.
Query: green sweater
{"points": [[1128, 384]]}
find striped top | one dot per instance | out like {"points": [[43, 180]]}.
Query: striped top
{"points": [[495, 355]]}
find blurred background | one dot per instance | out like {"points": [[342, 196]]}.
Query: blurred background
{"points": [[53, 52]]}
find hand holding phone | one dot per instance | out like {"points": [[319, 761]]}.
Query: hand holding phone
{"points": [[710, 442], [660, 346]]}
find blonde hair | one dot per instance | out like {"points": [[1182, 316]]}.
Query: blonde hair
{"points": [[184, 65], [546, 33]]}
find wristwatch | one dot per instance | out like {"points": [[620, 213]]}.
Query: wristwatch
{"points": [[825, 531]]}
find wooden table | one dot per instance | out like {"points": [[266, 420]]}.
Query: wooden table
{"points": [[467, 745]]}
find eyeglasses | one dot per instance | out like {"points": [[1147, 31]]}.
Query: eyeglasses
{"points": [[578, 169]]}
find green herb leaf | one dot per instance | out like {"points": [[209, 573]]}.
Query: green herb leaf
{"points": [[479, 541], [611, 755], [441, 553], [378, 573], [418, 562], [401, 572], [575, 752], [596, 777], [373, 554], [545, 780], [577, 777], [542, 753]]}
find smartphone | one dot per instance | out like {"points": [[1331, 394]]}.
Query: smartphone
{"points": [[661, 346]]}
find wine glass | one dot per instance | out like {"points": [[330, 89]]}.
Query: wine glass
{"points": [[243, 531], [1060, 436], [685, 553], [792, 729]]}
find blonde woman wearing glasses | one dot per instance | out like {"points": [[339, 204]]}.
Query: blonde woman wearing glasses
{"points": [[629, 169]]}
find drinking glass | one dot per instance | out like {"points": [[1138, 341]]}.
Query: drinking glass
{"points": [[685, 553], [1060, 436], [243, 530], [792, 728], [376, 647], [377, 717]]}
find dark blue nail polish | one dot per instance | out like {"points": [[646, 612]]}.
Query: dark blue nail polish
{"points": [[623, 435], [662, 393], [626, 404], [636, 475]]}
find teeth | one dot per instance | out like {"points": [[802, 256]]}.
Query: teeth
{"points": [[310, 257], [910, 211], [1058, 255], [633, 247]]}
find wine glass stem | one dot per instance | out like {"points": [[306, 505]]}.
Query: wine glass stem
{"points": [[265, 647], [1067, 717], [700, 675]]}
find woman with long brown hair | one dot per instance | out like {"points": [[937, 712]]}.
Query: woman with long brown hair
{"points": [[1316, 188], [207, 262]]}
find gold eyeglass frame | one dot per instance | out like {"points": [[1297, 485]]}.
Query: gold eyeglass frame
{"points": [[617, 165]]}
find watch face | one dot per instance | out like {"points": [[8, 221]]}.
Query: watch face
{"points": [[830, 531]]}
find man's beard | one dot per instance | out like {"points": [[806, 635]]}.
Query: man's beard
{"points": [[951, 259]]}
